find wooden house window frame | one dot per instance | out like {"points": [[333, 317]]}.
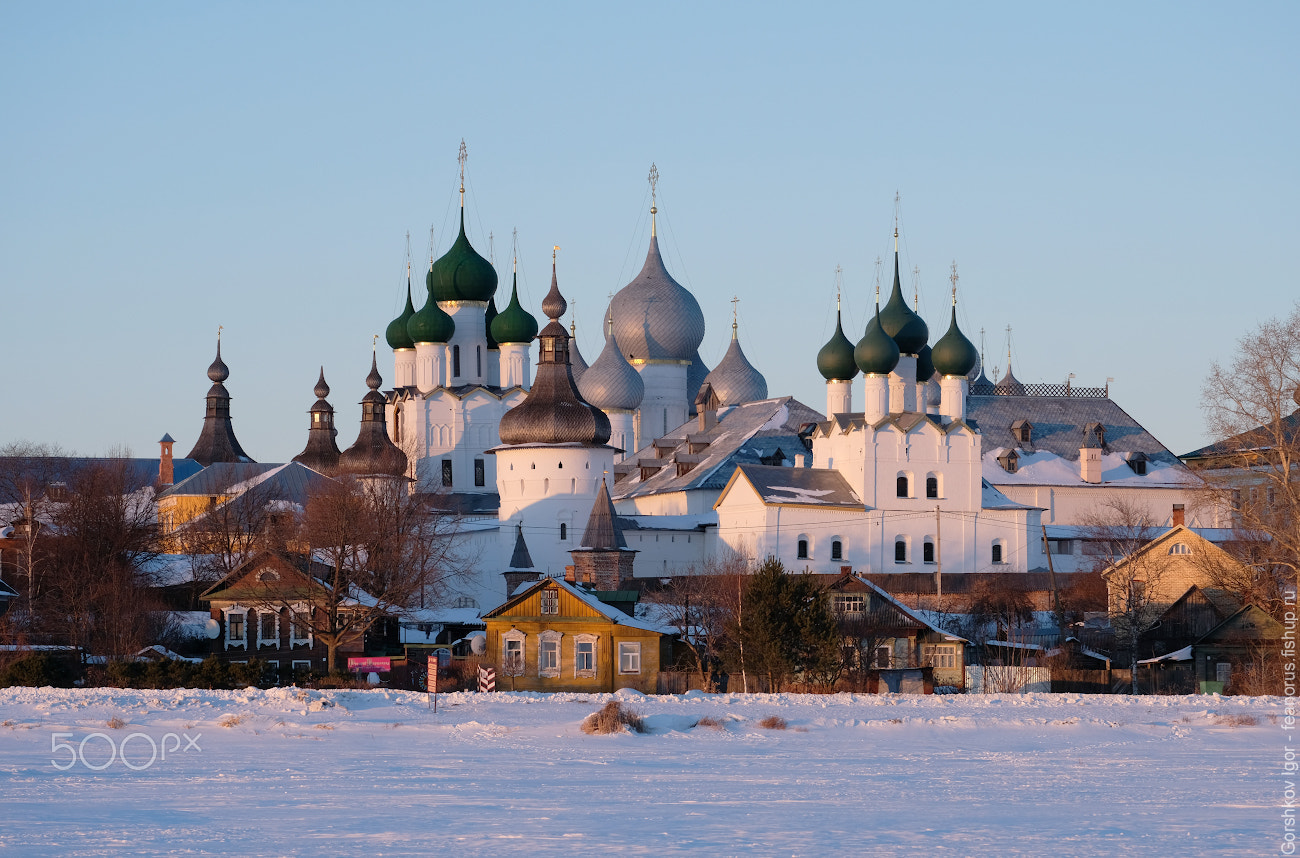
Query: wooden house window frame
{"points": [[548, 654], [629, 658], [584, 655], [942, 656], [299, 621], [550, 601], [236, 616], [273, 639]]}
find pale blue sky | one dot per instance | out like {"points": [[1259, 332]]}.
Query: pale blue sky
{"points": [[1117, 182]]}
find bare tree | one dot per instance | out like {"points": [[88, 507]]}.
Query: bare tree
{"points": [[1250, 405], [1135, 579], [700, 605], [379, 552], [96, 590], [32, 477]]}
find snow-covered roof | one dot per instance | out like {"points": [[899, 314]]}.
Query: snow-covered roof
{"points": [[991, 498], [614, 615], [800, 486], [744, 434], [908, 612], [1184, 654]]}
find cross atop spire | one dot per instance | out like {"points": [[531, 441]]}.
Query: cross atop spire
{"points": [[839, 285], [432, 246], [878, 264], [514, 249], [953, 278], [408, 262], [219, 329], [653, 178], [735, 315], [916, 288], [492, 249], [461, 156]]}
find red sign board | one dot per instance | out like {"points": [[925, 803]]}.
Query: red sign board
{"points": [[433, 674], [378, 664]]}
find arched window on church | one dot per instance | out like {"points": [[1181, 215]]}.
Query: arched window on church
{"points": [[932, 486], [478, 360], [927, 551], [997, 553], [902, 486], [564, 531], [455, 361], [803, 548]]}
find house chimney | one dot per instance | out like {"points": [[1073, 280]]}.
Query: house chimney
{"points": [[166, 473], [798, 460], [1179, 515]]}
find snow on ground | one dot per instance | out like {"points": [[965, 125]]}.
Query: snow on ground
{"points": [[289, 771]]}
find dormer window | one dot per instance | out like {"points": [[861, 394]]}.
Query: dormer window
{"points": [[1023, 431], [1094, 435], [1010, 461], [1138, 462]]}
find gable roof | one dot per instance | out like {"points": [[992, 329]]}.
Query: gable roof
{"points": [[744, 434], [1051, 457], [778, 486], [910, 617], [1162, 543], [608, 612], [291, 482]]}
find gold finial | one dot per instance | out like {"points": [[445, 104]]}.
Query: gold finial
{"points": [[735, 300], [654, 208], [219, 329], [953, 278], [554, 250], [460, 158], [374, 344]]}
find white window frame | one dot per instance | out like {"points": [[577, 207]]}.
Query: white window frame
{"points": [[299, 609], [848, 603], [551, 595], [301, 664], [629, 658], [547, 640], [274, 641], [887, 650], [507, 638], [579, 640], [242, 613], [942, 656]]}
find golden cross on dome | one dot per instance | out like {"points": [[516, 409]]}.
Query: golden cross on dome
{"points": [[374, 343], [735, 300], [839, 285], [953, 278], [461, 156], [654, 209]]}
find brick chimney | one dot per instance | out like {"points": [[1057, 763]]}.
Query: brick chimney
{"points": [[166, 472], [1179, 515]]}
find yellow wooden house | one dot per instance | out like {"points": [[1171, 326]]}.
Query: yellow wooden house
{"points": [[557, 636]]}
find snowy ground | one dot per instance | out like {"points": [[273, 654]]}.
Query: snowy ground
{"points": [[286, 771]]}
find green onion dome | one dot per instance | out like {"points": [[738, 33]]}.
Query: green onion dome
{"points": [[461, 274], [514, 324], [431, 324], [835, 360], [397, 334], [488, 318], [876, 353], [954, 354], [924, 364], [901, 322]]}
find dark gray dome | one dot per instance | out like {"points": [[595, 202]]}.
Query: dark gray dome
{"points": [[734, 379], [611, 383], [655, 318]]}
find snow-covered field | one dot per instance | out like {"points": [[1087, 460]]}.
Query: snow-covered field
{"points": [[288, 771]]}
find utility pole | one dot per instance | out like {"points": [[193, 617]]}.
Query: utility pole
{"points": [[1056, 593]]}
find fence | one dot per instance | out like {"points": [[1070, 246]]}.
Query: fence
{"points": [[1040, 390], [1007, 679]]}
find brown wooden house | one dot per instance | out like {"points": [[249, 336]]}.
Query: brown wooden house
{"points": [[558, 636]]}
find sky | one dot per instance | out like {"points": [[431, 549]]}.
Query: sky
{"points": [[1116, 183]]}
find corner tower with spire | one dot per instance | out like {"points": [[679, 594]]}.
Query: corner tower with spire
{"points": [[217, 441], [554, 451]]}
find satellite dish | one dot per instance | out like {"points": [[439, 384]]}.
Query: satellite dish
{"points": [[212, 629], [478, 643]]}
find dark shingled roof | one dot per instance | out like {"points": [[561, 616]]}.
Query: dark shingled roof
{"points": [[803, 486], [520, 559], [217, 442], [292, 482], [744, 434], [1059, 422], [603, 532]]}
